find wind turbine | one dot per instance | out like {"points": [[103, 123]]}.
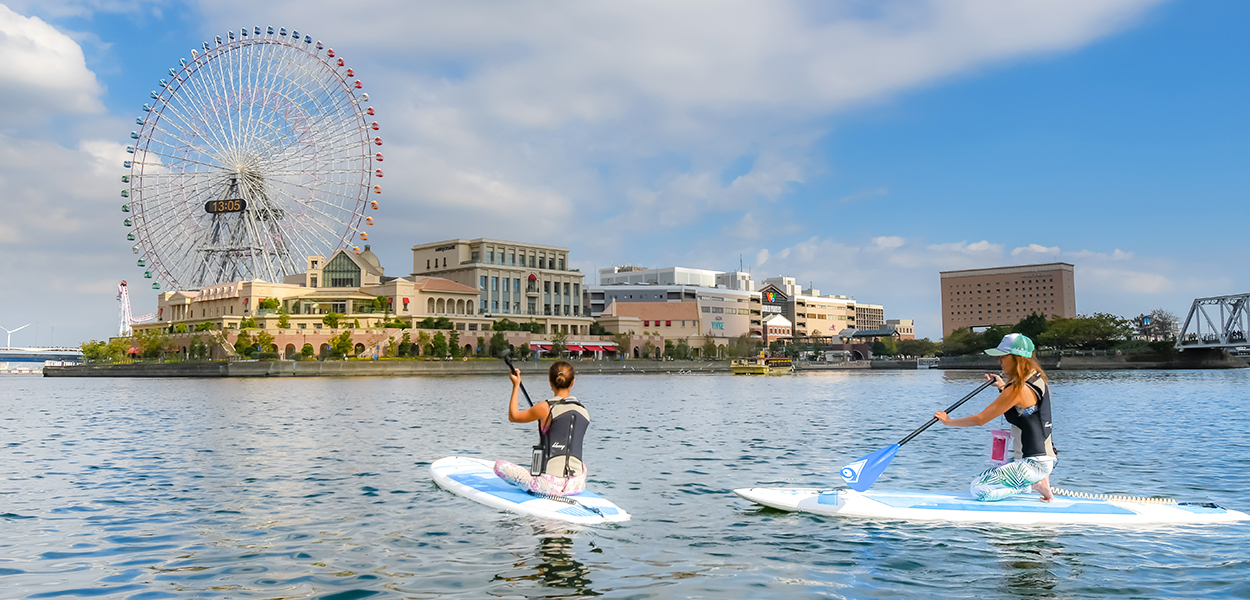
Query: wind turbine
{"points": [[9, 343]]}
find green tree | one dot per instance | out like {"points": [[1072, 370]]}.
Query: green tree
{"points": [[670, 349], [97, 351], [962, 341], [559, 343], [622, 344], [682, 350], [886, 346], [284, 320], [205, 326], [180, 328], [265, 341], [597, 329], [423, 343], [1032, 326], [269, 304], [708, 350], [405, 345], [917, 348], [481, 346], [498, 343], [381, 304], [438, 347], [355, 323], [993, 335], [392, 347], [307, 351], [198, 348], [649, 350], [243, 343], [533, 327], [341, 345], [331, 320], [247, 323], [454, 341]]}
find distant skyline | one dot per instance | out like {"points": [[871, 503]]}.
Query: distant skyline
{"points": [[860, 147]]}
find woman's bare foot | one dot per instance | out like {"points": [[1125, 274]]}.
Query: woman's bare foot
{"points": [[1043, 487]]}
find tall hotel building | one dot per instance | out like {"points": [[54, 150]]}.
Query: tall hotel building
{"points": [[1004, 295], [515, 280]]}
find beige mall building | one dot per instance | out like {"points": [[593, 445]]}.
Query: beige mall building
{"points": [[1004, 295], [519, 281]]}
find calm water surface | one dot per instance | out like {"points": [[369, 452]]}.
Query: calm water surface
{"points": [[151, 489]]}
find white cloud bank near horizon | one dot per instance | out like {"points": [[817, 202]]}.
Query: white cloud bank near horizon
{"points": [[608, 127]]}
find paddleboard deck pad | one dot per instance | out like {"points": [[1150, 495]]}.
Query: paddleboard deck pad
{"points": [[475, 479], [1024, 509]]}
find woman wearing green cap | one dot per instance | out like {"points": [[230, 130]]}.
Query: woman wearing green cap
{"points": [[1024, 400]]}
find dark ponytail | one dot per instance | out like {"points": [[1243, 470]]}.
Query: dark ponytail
{"points": [[561, 375]]}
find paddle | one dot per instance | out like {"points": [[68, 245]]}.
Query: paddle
{"points": [[861, 474], [507, 360]]}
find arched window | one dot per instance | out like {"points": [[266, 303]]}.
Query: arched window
{"points": [[430, 311], [442, 306], [460, 307]]}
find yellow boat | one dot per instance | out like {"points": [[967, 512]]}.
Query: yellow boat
{"points": [[761, 366]]}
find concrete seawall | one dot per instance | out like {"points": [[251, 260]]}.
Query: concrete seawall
{"points": [[382, 368]]}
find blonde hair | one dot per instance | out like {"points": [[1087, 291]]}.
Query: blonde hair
{"points": [[1018, 369], [561, 375]]}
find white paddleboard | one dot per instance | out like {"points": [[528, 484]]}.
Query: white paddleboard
{"points": [[1024, 509], [475, 479]]}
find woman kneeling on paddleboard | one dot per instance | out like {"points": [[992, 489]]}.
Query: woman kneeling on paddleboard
{"points": [[1025, 402], [562, 423]]}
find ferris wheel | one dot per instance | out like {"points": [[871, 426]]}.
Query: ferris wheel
{"points": [[253, 154]]}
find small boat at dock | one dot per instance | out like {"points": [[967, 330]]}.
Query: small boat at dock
{"points": [[761, 366]]}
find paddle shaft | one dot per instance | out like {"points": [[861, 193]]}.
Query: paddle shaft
{"points": [[953, 407], [511, 368]]}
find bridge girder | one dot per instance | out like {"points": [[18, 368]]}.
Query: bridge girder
{"points": [[1216, 322]]}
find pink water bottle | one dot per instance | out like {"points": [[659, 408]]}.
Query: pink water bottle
{"points": [[1000, 446]]}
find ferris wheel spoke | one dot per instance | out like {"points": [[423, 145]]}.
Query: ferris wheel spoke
{"points": [[203, 102], [273, 122]]}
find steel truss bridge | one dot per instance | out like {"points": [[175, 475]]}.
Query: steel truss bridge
{"points": [[1216, 322]]}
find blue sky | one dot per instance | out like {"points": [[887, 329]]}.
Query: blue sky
{"points": [[860, 146]]}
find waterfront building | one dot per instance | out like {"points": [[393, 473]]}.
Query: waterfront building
{"points": [[905, 328], [347, 284], [726, 310], [869, 316], [515, 280], [810, 313], [1004, 295], [776, 327], [669, 320]]}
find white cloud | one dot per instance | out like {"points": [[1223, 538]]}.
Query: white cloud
{"points": [[1088, 254], [43, 72], [761, 257], [1125, 281], [1036, 249], [888, 242], [864, 195]]}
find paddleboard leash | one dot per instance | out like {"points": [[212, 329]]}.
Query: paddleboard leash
{"points": [[568, 500], [1112, 497]]}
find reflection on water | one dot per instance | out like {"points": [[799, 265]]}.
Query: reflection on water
{"points": [[556, 568], [1028, 559], [320, 489]]}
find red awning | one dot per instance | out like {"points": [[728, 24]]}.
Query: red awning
{"points": [[545, 347], [575, 348], [594, 348]]}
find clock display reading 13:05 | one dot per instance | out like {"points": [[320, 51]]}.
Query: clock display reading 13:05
{"points": [[225, 206]]}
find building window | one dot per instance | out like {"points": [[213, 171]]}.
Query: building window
{"points": [[483, 305], [531, 261], [506, 287], [561, 263], [482, 285], [512, 258], [542, 262], [427, 264]]}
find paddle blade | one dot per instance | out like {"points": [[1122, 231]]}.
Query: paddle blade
{"points": [[861, 474]]}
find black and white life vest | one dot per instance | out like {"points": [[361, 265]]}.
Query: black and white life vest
{"points": [[1031, 426], [562, 442]]}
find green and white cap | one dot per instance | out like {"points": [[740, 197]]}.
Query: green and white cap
{"points": [[1013, 343]]}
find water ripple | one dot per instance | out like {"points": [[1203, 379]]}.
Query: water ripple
{"points": [[319, 489]]}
